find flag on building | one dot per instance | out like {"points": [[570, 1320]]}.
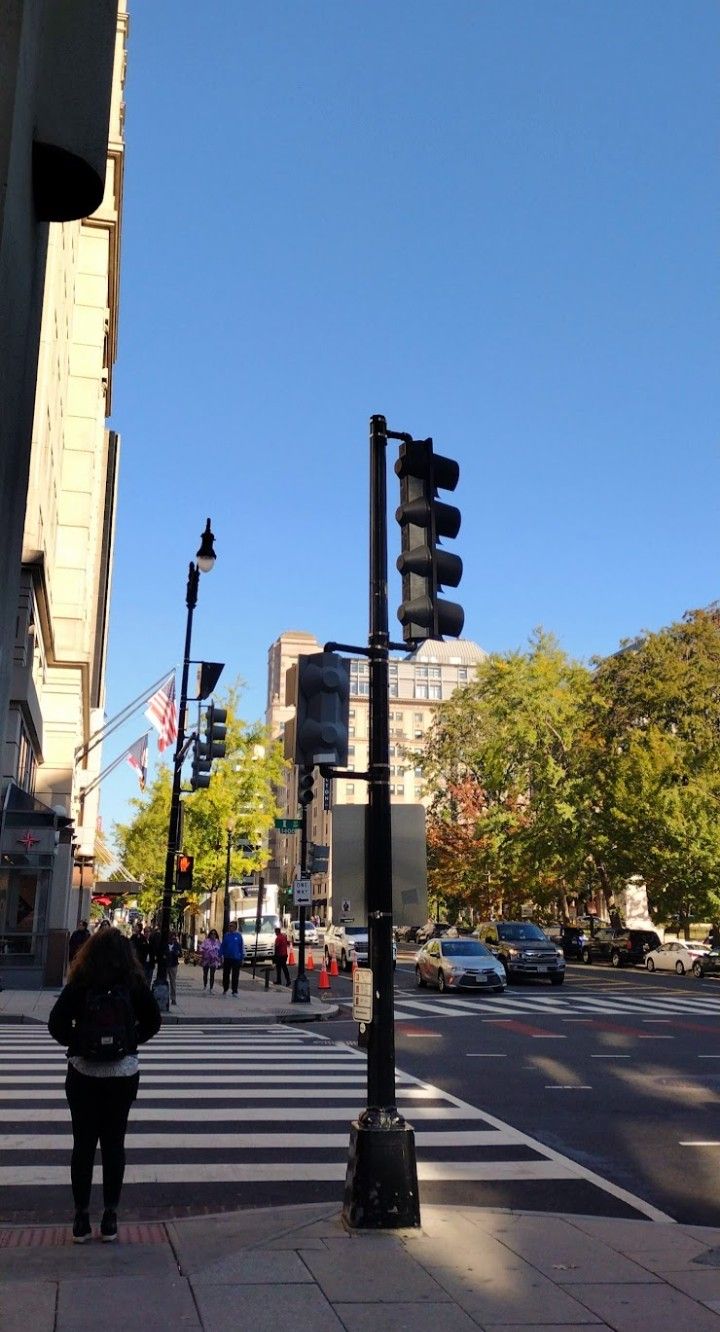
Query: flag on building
{"points": [[137, 757], [162, 712]]}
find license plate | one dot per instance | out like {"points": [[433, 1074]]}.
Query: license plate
{"points": [[542, 967]]}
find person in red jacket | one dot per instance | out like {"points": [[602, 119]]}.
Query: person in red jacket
{"points": [[280, 955]]}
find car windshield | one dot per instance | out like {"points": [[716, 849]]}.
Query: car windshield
{"points": [[463, 948], [267, 925], [357, 931], [520, 932]]}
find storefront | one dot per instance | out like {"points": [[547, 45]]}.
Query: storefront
{"points": [[31, 952]]}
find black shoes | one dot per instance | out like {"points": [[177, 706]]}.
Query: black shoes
{"points": [[82, 1230], [108, 1226]]}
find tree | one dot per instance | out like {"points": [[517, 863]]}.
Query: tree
{"points": [[240, 797], [500, 757]]}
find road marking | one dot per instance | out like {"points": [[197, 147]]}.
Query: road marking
{"points": [[485, 1056], [609, 1056], [708, 1056], [648, 1021], [568, 1086], [689, 1142], [135, 1141], [653, 1036], [253, 1172], [548, 1036]]}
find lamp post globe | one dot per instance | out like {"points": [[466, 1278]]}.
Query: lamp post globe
{"points": [[206, 553]]}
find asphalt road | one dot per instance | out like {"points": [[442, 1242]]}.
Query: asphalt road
{"points": [[620, 1071]]}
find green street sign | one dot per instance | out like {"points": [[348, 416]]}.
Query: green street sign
{"points": [[288, 825]]}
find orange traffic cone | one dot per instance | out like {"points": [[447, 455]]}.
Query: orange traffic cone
{"points": [[309, 962], [291, 957], [354, 963], [323, 979], [334, 967]]}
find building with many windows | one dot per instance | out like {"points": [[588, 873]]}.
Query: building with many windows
{"points": [[418, 684]]}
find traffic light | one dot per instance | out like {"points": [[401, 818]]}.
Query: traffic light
{"points": [[306, 781], [322, 714], [215, 731], [317, 858], [425, 520], [201, 765], [184, 874]]}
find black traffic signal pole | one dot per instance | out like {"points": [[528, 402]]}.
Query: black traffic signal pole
{"points": [[160, 988], [381, 1188], [301, 984], [226, 900]]}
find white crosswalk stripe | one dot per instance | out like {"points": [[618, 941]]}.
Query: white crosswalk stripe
{"points": [[569, 1003], [270, 1109]]}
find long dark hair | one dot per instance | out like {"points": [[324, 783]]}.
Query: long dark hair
{"points": [[106, 958]]}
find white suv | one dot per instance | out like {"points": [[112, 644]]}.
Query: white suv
{"points": [[343, 942]]}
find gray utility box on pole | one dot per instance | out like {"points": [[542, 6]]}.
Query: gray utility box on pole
{"points": [[409, 864]]}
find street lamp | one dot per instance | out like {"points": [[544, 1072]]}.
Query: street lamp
{"points": [[204, 563], [226, 901]]}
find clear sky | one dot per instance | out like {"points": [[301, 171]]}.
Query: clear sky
{"points": [[493, 221]]}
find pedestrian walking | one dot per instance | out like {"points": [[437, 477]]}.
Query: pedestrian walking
{"points": [[280, 955], [174, 953], [141, 946], [232, 952], [102, 1015], [153, 956], [210, 959], [77, 939]]}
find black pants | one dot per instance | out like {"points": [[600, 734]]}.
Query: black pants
{"points": [[231, 966], [281, 966], [208, 971], [99, 1108]]}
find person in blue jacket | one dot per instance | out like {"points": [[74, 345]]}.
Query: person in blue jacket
{"points": [[232, 952]]}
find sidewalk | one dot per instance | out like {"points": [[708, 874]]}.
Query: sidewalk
{"points": [[467, 1268], [253, 1004]]}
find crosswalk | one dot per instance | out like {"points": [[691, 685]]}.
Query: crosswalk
{"points": [[560, 1003], [254, 1116]]}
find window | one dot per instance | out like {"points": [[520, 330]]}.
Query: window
{"points": [[350, 790], [393, 689], [351, 714], [419, 718], [435, 691], [435, 673], [462, 674], [26, 763], [351, 752], [351, 732], [421, 672], [421, 689]]}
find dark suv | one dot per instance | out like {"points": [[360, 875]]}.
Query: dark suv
{"points": [[621, 948], [524, 950]]}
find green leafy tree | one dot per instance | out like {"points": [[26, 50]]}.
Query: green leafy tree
{"points": [[240, 798]]}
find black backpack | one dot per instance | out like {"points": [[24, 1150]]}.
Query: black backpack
{"points": [[106, 1030]]}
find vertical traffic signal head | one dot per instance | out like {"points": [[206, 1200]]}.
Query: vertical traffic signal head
{"points": [[184, 873], [215, 730], [322, 716], [201, 764], [424, 520], [306, 781]]}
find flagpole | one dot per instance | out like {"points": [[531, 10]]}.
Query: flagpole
{"points": [[85, 790], [124, 715]]}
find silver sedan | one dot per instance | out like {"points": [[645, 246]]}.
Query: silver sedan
{"points": [[454, 964]]}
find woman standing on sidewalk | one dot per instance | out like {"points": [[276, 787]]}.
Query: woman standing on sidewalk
{"points": [[104, 1012], [210, 958]]}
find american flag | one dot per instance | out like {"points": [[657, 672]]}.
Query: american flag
{"points": [[162, 712], [137, 757]]}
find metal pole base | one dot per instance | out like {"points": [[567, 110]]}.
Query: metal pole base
{"points": [[161, 990], [381, 1185], [300, 990]]}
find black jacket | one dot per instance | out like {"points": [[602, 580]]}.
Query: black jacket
{"points": [[70, 1004]]}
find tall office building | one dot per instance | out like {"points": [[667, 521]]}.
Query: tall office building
{"points": [[418, 684], [47, 827]]}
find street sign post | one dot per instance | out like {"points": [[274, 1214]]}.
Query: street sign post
{"points": [[288, 825], [362, 1001]]}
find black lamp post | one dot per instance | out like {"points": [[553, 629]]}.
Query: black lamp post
{"points": [[204, 562], [226, 900]]}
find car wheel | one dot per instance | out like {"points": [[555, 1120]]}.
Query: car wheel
{"points": [[680, 968], [556, 980], [343, 960], [586, 956], [615, 958], [442, 987], [649, 964], [419, 979], [697, 969]]}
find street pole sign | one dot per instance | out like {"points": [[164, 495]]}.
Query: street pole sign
{"points": [[288, 825], [302, 892], [362, 1001]]}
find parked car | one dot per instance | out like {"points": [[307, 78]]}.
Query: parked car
{"points": [[524, 950], [348, 943], [452, 964], [621, 948], [434, 930], [572, 940], [708, 964], [311, 934], [676, 955], [406, 933]]}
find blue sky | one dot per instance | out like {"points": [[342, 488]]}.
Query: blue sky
{"points": [[494, 222]]}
